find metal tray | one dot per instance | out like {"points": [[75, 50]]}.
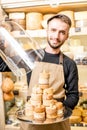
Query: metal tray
{"points": [[21, 116]]}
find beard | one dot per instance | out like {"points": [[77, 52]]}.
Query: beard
{"points": [[55, 47]]}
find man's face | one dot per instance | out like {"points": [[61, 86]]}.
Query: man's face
{"points": [[57, 33]]}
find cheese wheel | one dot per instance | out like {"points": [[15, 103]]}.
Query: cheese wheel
{"points": [[36, 90], [7, 85], [36, 102], [39, 116], [43, 86], [36, 96], [20, 21], [70, 14], [44, 75], [77, 112], [45, 18], [85, 119], [75, 119], [80, 15], [59, 105], [8, 96], [48, 91], [29, 108], [33, 20], [47, 96], [84, 113], [81, 23], [51, 116], [17, 15], [51, 109], [39, 109], [17, 27], [47, 103]]}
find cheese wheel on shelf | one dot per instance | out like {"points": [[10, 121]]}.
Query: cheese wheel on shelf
{"points": [[70, 14], [33, 21], [17, 15], [84, 113], [75, 119], [81, 19], [80, 15], [8, 96], [81, 23], [85, 119], [18, 20], [45, 18], [77, 112]]}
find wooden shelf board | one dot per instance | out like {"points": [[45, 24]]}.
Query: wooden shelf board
{"points": [[47, 9]]}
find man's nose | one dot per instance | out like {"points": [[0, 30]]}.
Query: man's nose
{"points": [[57, 34]]}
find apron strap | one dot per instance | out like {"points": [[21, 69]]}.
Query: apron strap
{"points": [[61, 58]]}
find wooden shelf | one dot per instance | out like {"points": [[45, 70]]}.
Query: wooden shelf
{"points": [[78, 128], [78, 32], [41, 33], [32, 33], [43, 6]]}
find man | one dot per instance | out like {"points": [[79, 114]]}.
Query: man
{"points": [[63, 71]]}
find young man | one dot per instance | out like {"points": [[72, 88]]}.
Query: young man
{"points": [[63, 70]]}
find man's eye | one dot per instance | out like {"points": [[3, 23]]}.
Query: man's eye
{"points": [[62, 32]]}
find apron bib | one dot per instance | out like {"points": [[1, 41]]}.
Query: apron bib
{"points": [[56, 81]]}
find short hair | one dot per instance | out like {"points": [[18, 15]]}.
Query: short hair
{"points": [[62, 17]]}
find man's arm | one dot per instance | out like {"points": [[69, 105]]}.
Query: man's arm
{"points": [[72, 93], [3, 66]]}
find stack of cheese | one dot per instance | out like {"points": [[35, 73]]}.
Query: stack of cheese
{"points": [[7, 88], [79, 115], [41, 105]]}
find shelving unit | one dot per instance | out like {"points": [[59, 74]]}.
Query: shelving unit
{"points": [[78, 128]]}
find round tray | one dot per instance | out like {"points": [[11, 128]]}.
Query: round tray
{"points": [[21, 116]]}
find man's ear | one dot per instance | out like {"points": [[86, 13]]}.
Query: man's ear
{"points": [[67, 36]]}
